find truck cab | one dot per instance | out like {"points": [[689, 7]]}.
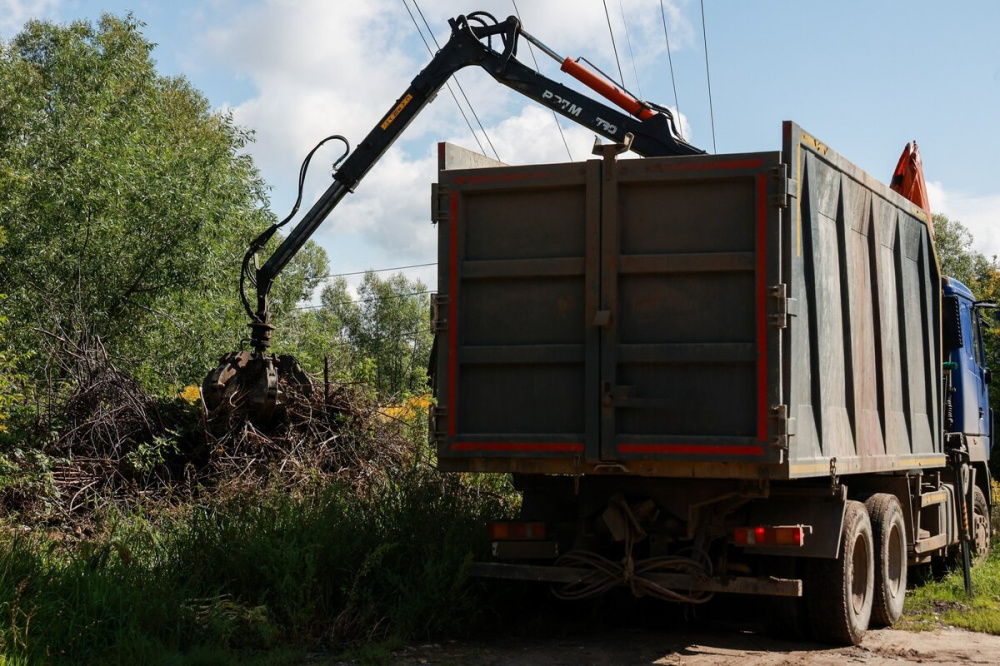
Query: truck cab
{"points": [[969, 410]]}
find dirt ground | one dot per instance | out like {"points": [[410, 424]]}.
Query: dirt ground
{"points": [[888, 646]]}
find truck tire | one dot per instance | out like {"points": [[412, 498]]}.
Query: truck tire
{"points": [[980, 524], [889, 537], [841, 591]]}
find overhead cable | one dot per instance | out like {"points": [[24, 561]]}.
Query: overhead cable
{"points": [[364, 300], [631, 55], [613, 45], [447, 84], [373, 270], [457, 83], [673, 81], [708, 74], [554, 114]]}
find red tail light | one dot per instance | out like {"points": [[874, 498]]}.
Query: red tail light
{"points": [[793, 536], [511, 530]]}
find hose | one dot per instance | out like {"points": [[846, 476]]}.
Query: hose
{"points": [[247, 275], [605, 574]]}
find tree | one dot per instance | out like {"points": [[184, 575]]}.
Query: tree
{"points": [[128, 204], [386, 327], [958, 259]]}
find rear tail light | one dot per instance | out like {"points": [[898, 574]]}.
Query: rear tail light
{"points": [[510, 530], [792, 536]]}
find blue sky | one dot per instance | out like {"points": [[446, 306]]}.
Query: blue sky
{"points": [[863, 76]]}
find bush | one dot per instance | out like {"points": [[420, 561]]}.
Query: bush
{"points": [[253, 571]]}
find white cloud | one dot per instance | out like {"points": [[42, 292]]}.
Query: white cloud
{"points": [[980, 214], [14, 13]]}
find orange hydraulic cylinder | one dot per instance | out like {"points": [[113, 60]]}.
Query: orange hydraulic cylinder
{"points": [[606, 89]]}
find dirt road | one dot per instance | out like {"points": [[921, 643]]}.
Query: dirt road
{"points": [[888, 646]]}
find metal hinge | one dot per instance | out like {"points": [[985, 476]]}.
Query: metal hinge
{"points": [[440, 204], [784, 187], [784, 307], [436, 421], [439, 304], [784, 426]]}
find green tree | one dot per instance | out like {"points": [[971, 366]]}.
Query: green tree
{"points": [[128, 204], [959, 259], [386, 328]]}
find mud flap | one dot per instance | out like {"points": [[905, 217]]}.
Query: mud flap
{"points": [[824, 514]]}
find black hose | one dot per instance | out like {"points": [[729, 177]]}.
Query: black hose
{"points": [[247, 275]]}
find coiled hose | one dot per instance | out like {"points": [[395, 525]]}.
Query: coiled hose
{"points": [[605, 574]]}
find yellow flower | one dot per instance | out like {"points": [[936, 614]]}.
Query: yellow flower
{"points": [[190, 394]]}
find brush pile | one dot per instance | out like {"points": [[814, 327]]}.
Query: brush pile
{"points": [[111, 442], [333, 433]]}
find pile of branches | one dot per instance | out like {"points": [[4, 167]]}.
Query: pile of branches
{"points": [[111, 438], [111, 442], [316, 433]]}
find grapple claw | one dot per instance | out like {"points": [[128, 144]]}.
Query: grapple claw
{"points": [[252, 384], [213, 389]]}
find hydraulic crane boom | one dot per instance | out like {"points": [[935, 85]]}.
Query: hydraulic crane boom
{"points": [[651, 128]]}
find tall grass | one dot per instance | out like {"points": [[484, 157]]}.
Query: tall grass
{"points": [[232, 580], [944, 601]]}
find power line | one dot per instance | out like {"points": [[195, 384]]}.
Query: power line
{"points": [[447, 84], [458, 83], [405, 335], [364, 300], [613, 45], [708, 74], [538, 69], [631, 55], [373, 270], [673, 81]]}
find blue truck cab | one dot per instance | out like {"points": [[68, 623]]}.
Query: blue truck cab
{"points": [[967, 404]]}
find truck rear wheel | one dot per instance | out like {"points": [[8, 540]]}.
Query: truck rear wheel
{"points": [[889, 537], [841, 591], [980, 524]]}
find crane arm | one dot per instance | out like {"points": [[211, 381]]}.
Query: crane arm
{"points": [[653, 135]]}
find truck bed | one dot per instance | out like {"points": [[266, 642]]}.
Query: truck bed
{"points": [[757, 315]]}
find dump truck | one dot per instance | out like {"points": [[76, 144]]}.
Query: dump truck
{"points": [[732, 373], [706, 373]]}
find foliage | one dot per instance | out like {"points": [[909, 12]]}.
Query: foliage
{"points": [[944, 602], [213, 583], [386, 324], [959, 259], [128, 204]]}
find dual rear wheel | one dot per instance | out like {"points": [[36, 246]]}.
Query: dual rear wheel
{"points": [[866, 585]]}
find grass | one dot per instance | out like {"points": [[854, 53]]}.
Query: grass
{"points": [[944, 602], [253, 579]]}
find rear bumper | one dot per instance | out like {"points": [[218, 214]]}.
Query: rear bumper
{"points": [[766, 586]]}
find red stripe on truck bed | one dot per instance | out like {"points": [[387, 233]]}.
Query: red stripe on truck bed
{"points": [[702, 449], [452, 311], [761, 308], [668, 167], [554, 447]]}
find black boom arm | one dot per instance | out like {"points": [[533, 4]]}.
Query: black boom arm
{"points": [[652, 136]]}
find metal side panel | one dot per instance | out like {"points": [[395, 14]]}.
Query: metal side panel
{"points": [[518, 282], [863, 377], [690, 359]]}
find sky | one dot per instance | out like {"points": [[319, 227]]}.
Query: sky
{"points": [[863, 76]]}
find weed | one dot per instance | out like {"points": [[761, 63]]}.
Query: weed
{"points": [[944, 601], [230, 580]]}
